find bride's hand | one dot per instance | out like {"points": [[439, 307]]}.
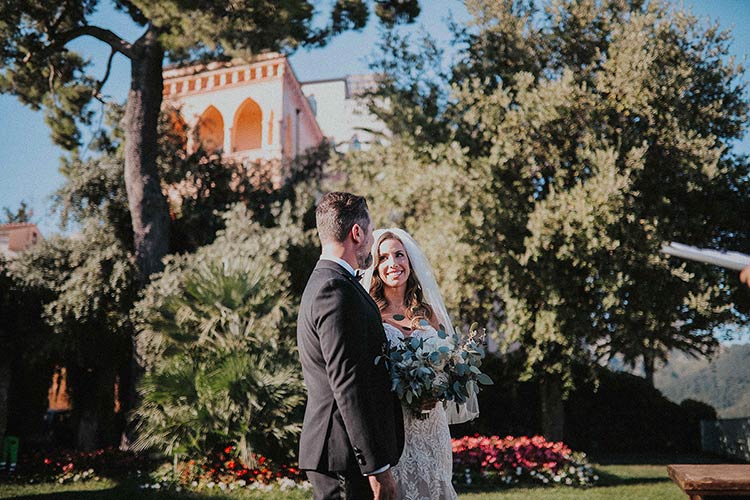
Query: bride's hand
{"points": [[428, 404]]}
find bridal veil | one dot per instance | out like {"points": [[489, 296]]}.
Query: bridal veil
{"points": [[457, 413]]}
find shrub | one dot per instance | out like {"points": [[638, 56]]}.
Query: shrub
{"points": [[216, 335], [512, 460]]}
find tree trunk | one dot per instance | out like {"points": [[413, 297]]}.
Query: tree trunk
{"points": [[553, 414], [148, 207], [94, 405], [648, 367], [5, 372]]}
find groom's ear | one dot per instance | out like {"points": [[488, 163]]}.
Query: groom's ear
{"points": [[357, 233]]}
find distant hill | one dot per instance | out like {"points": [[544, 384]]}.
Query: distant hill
{"points": [[723, 382]]}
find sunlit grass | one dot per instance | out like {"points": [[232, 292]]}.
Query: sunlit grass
{"points": [[644, 481]]}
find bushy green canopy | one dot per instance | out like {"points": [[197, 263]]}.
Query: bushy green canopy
{"points": [[569, 141]]}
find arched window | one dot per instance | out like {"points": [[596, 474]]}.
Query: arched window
{"points": [[247, 131], [177, 134], [211, 130]]}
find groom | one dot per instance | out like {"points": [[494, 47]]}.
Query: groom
{"points": [[353, 431]]}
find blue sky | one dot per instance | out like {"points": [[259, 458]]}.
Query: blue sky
{"points": [[29, 161]]}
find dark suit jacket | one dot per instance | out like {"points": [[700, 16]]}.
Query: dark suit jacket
{"points": [[352, 420]]}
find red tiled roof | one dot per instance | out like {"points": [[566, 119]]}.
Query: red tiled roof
{"points": [[16, 225]]}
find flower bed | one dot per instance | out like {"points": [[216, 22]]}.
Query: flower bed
{"points": [[223, 471], [66, 466], [513, 460]]}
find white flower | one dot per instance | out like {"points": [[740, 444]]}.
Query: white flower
{"points": [[440, 379], [285, 483], [194, 484], [242, 482], [433, 344], [211, 484]]}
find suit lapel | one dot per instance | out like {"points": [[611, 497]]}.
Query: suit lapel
{"points": [[362, 290], [329, 264]]}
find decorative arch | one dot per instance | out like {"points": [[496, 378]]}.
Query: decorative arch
{"points": [[177, 133], [211, 129], [247, 130]]}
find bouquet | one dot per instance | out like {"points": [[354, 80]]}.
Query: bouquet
{"points": [[440, 368]]}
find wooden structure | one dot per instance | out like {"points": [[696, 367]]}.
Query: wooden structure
{"points": [[712, 482]]}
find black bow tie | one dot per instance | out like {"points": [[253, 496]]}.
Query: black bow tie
{"points": [[358, 274]]}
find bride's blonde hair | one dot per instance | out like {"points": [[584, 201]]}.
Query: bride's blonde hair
{"points": [[416, 307]]}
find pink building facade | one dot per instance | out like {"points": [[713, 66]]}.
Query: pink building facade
{"points": [[250, 111]]}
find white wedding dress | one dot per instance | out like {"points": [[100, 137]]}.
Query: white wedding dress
{"points": [[426, 465]]}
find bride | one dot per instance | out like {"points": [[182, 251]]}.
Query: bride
{"points": [[402, 283]]}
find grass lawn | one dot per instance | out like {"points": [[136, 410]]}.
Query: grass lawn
{"points": [[641, 478]]}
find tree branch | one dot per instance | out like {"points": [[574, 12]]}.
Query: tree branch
{"points": [[115, 42], [100, 83]]}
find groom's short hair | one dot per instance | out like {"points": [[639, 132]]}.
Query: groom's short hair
{"points": [[337, 213]]}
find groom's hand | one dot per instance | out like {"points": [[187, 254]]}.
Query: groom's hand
{"points": [[383, 486], [745, 276]]}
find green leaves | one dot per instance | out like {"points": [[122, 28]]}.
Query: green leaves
{"points": [[216, 332], [543, 170], [484, 379]]}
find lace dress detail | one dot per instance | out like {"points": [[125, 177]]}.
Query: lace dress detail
{"points": [[426, 465]]}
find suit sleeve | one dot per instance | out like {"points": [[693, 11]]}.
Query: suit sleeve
{"points": [[351, 370]]}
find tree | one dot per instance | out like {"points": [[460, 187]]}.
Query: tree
{"points": [[23, 214], [82, 288], [41, 69], [24, 368], [580, 137]]}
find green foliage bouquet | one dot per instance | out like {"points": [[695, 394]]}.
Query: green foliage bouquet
{"points": [[442, 368]]}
